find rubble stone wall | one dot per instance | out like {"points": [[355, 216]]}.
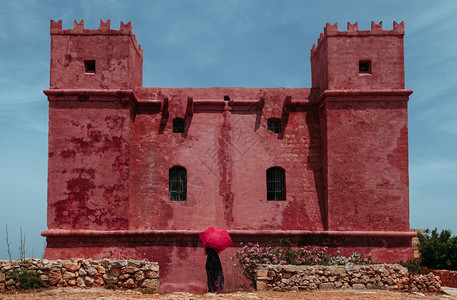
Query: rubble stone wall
{"points": [[448, 278], [389, 276], [85, 273]]}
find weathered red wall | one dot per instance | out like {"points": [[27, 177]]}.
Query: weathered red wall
{"points": [[89, 157], [226, 154], [367, 165], [344, 149]]}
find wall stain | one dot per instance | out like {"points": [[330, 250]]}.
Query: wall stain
{"points": [[225, 169]]}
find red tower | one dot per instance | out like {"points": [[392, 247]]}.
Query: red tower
{"points": [[138, 172]]}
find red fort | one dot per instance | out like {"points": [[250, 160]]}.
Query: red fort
{"points": [[137, 172]]}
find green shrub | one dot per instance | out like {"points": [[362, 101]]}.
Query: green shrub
{"points": [[413, 265], [27, 278], [438, 251]]}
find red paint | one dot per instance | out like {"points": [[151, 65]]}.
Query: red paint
{"points": [[344, 149]]}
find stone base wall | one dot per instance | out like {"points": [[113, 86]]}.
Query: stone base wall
{"points": [[85, 273], [389, 276], [448, 278]]}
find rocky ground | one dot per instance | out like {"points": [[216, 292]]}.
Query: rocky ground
{"points": [[104, 294]]}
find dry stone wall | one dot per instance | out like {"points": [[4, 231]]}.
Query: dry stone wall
{"points": [[85, 273], [448, 278], [390, 276]]}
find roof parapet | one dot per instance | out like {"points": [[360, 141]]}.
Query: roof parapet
{"points": [[104, 29], [78, 28], [353, 30]]}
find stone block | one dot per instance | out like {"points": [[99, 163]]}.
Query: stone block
{"points": [[139, 276], [134, 263], [262, 273], [91, 271], [129, 283], [359, 286], [88, 280], [101, 270], [99, 281], [108, 279], [71, 266], [44, 278], [115, 272], [261, 285], [68, 275], [150, 284], [290, 268], [126, 276], [327, 285], [9, 282], [80, 282], [131, 269]]}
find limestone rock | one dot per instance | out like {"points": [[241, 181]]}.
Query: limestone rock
{"points": [[91, 271], [68, 275], [326, 285], [151, 284], [71, 266], [129, 283], [88, 280], [139, 276], [80, 282]]}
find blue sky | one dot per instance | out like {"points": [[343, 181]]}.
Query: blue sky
{"points": [[246, 43]]}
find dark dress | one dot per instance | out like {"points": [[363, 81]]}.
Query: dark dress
{"points": [[215, 276]]}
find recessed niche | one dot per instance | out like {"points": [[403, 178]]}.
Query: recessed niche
{"points": [[89, 66], [274, 125], [178, 125], [365, 67]]}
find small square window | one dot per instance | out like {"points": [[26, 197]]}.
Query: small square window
{"points": [[274, 125], [365, 67], [178, 125], [89, 66]]}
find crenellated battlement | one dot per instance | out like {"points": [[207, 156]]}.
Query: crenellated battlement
{"points": [[353, 30], [104, 29]]}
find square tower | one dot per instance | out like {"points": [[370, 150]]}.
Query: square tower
{"points": [[358, 81], [103, 58]]}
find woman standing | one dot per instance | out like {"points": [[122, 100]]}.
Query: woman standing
{"points": [[214, 274]]}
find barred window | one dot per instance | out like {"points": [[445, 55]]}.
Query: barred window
{"points": [[177, 178], [276, 185], [274, 125], [178, 125]]}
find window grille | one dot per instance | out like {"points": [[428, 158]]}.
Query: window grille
{"points": [[276, 188], [274, 125], [177, 183], [178, 125]]}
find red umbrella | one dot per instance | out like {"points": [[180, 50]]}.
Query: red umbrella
{"points": [[216, 238]]}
